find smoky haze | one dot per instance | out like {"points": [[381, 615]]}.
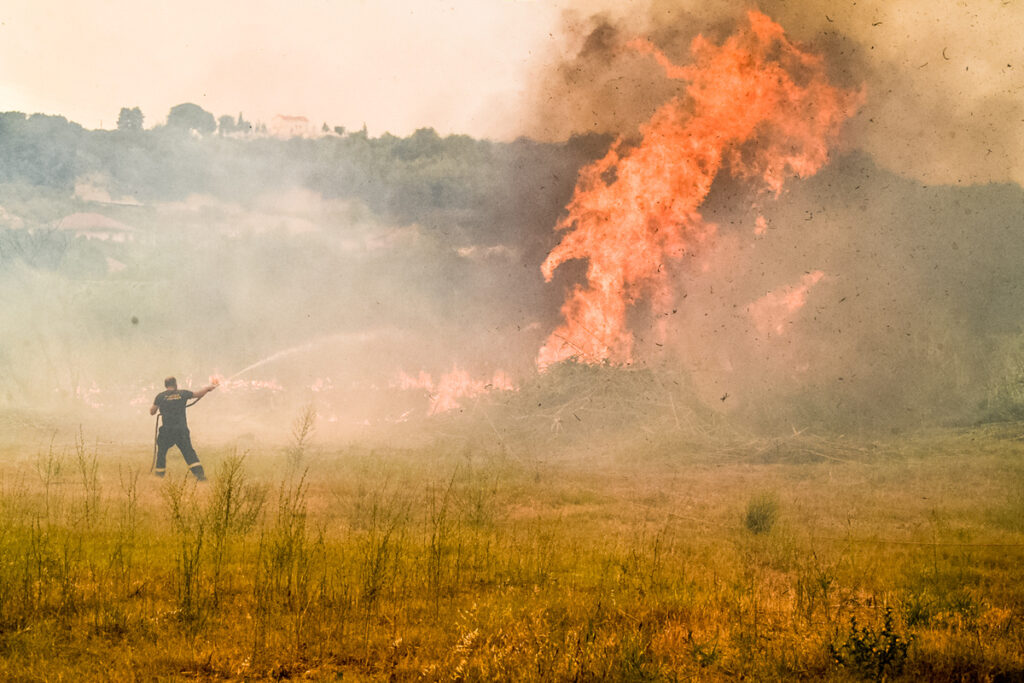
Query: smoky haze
{"points": [[344, 260], [336, 265], [943, 79]]}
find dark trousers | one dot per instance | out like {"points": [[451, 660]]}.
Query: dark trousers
{"points": [[183, 440]]}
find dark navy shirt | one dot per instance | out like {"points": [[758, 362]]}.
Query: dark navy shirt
{"points": [[172, 407]]}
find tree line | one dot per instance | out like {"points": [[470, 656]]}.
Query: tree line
{"points": [[502, 188]]}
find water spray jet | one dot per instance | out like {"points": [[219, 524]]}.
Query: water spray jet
{"points": [[308, 346]]}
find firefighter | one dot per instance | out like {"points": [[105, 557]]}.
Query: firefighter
{"points": [[174, 430]]}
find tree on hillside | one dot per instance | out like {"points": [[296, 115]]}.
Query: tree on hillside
{"points": [[130, 119], [226, 124], [361, 135], [40, 150], [425, 142], [242, 126], [190, 117]]}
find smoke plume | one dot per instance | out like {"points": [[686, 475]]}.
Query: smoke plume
{"points": [[874, 292]]}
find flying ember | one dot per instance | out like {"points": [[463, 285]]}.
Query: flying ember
{"points": [[757, 106]]}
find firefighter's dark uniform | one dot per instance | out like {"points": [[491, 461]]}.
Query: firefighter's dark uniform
{"points": [[174, 431]]}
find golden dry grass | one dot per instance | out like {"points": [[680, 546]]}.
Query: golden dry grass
{"points": [[457, 562]]}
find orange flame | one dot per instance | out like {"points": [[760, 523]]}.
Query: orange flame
{"points": [[458, 383], [758, 105]]}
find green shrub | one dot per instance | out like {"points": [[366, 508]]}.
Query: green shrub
{"points": [[873, 654], [762, 511]]}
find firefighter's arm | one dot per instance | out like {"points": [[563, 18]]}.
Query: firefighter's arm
{"points": [[153, 409], [204, 391]]}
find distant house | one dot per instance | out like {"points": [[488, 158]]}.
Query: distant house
{"points": [[95, 226], [282, 126]]}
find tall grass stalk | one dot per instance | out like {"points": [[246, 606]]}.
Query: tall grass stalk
{"points": [[233, 510], [190, 530]]}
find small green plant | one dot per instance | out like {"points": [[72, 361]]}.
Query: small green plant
{"points": [[875, 655], [88, 468], [919, 608], [442, 541], [122, 554], [762, 511], [50, 467], [634, 660]]}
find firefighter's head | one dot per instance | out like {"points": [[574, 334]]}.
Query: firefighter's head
{"points": [[170, 383]]}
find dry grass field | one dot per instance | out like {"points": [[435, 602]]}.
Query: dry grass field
{"points": [[793, 558]]}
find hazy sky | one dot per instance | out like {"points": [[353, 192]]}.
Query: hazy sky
{"points": [[394, 64], [944, 79]]}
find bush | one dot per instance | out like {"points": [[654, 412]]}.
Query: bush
{"points": [[873, 654], [762, 512]]}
